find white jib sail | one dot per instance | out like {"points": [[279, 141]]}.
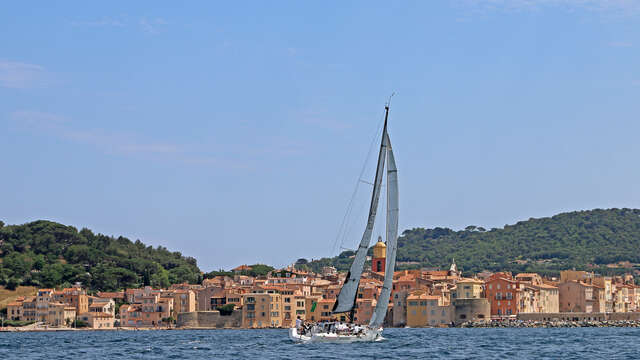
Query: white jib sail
{"points": [[392, 238]]}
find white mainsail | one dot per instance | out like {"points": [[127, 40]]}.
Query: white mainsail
{"points": [[347, 296], [392, 238]]}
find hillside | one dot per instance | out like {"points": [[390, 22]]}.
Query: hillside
{"points": [[48, 254], [581, 239]]}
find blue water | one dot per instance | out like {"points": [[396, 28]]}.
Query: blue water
{"points": [[576, 343]]}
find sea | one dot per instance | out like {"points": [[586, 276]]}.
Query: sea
{"points": [[453, 343]]}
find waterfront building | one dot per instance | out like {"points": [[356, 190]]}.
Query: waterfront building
{"points": [[205, 297], [467, 288], [399, 318], [76, 297], [262, 309], [29, 309], [576, 296], [503, 293], [14, 309], [99, 305], [98, 320], [43, 298], [184, 301], [548, 298], [60, 315]]}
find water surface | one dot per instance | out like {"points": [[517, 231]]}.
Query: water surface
{"points": [[574, 343]]}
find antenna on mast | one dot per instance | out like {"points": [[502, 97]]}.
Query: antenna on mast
{"points": [[389, 101]]}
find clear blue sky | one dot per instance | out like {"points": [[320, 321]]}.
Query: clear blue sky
{"points": [[235, 132]]}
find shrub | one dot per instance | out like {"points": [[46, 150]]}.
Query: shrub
{"points": [[226, 310]]}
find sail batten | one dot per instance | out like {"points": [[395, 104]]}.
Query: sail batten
{"points": [[392, 238], [347, 297]]}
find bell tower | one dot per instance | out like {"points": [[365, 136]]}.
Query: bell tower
{"points": [[378, 262]]}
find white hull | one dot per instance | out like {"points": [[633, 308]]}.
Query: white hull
{"points": [[369, 335]]}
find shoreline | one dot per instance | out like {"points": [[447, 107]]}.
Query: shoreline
{"points": [[467, 325]]}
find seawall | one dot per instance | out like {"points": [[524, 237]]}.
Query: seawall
{"points": [[209, 320]]}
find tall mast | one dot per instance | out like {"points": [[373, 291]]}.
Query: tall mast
{"points": [[346, 299]]}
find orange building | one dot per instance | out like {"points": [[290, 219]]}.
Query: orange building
{"points": [[503, 294]]}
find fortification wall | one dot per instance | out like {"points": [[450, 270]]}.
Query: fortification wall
{"points": [[210, 320]]}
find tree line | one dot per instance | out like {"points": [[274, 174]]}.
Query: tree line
{"points": [[586, 240], [48, 254]]}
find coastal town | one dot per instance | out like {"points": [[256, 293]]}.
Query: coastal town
{"points": [[420, 298]]}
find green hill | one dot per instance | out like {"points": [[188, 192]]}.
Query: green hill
{"points": [[582, 240], [48, 254]]}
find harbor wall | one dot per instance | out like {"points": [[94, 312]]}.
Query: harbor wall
{"points": [[209, 320], [575, 316]]}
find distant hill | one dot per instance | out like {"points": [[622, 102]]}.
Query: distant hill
{"points": [[48, 254], [582, 240]]}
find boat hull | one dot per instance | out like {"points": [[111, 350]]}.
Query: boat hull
{"points": [[369, 335]]}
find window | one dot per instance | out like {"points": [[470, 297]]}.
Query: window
{"points": [[490, 286], [498, 296], [433, 312], [499, 312], [498, 286], [413, 303], [264, 314], [287, 300], [509, 311], [509, 296]]}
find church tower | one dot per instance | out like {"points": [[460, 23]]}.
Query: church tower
{"points": [[379, 256]]}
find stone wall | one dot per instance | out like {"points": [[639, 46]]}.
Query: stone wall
{"points": [[578, 316], [210, 320]]}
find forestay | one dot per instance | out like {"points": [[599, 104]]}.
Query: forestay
{"points": [[347, 296]]}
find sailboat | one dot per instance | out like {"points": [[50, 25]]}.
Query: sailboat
{"points": [[346, 300]]}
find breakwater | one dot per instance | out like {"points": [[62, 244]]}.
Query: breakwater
{"points": [[552, 324]]}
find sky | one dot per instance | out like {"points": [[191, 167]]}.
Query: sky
{"points": [[236, 132]]}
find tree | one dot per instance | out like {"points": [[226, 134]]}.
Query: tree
{"points": [[12, 284]]}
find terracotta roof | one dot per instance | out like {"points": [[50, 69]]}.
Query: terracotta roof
{"points": [[242, 268], [422, 297], [470, 280], [112, 295], [546, 286]]}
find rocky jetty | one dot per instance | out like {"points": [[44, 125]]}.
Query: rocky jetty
{"points": [[550, 324]]}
